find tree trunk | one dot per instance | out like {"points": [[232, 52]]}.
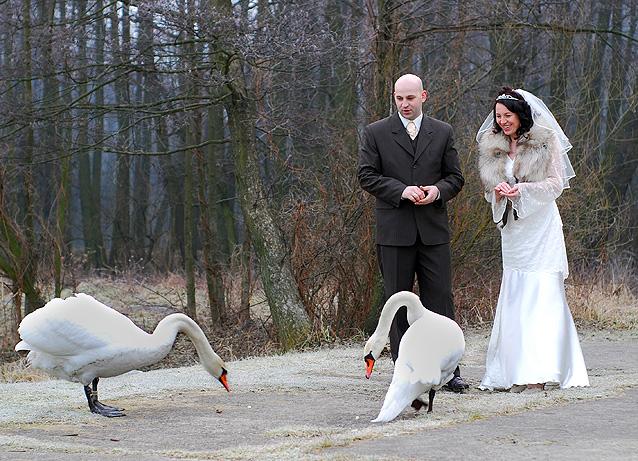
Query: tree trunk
{"points": [[84, 158], [56, 182], [288, 313], [243, 316], [209, 177], [142, 174], [192, 137], [386, 57], [97, 236], [189, 257], [121, 251], [33, 297]]}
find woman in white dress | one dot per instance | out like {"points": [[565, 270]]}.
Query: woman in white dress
{"points": [[524, 167]]}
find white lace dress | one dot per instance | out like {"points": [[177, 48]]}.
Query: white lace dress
{"points": [[533, 339]]}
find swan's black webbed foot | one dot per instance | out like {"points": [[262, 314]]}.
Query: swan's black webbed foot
{"points": [[417, 404], [107, 410], [106, 407], [98, 407]]}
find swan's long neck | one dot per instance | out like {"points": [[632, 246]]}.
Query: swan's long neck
{"points": [[392, 305], [167, 330], [379, 338]]}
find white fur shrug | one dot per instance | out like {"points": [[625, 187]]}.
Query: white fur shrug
{"points": [[537, 168], [533, 156]]}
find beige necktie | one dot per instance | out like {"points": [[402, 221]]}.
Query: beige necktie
{"points": [[411, 129]]}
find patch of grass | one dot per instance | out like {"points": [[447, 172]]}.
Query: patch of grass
{"points": [[608, 306], [329, 442], [13, 372], [297, 432]]}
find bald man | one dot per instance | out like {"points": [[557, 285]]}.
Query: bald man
{"points": [[409, 163]]}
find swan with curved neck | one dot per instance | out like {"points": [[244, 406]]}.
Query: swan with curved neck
{"points": [[429, 351], [379, 338], [82, 340]]}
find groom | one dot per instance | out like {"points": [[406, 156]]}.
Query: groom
{"points": [[409, 163]]}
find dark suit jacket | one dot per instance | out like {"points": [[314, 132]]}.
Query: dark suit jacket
{"points": [[388, 164]]}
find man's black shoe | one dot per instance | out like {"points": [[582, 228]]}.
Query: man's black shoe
{"points": [[456, 384]]}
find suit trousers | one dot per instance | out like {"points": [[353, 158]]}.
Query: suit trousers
{"points": [[432, 266]]}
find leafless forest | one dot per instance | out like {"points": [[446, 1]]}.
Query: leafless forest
{"points": [[218, 139]]}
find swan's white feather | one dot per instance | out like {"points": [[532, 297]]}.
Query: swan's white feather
{"points": [[429, 352], [79, 322], [433, 349]]}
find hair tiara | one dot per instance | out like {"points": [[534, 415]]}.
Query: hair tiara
{"points": [[507, 96]]}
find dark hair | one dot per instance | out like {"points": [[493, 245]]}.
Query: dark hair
{"points": [[518, 106]]}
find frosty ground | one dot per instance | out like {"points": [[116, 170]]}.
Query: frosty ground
{"points": [[318, 405]]}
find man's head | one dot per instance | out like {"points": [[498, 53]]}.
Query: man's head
{"points": [[409, 96]]}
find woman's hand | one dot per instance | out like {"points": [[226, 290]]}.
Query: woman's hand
{"points": [[500, 190], [505, 190]]}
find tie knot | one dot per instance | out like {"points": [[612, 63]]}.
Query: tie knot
{"points": [[411, 129]]}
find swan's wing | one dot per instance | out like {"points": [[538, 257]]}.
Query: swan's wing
{"points": [[64, 327], [449, 364], [431, 348]]}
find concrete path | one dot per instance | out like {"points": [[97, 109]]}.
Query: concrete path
{"points": [[317, 405]]}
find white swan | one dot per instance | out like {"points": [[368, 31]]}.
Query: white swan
{"points": [[79, 339], [429, 351]]}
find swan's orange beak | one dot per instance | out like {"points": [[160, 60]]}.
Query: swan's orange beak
{"points": [[224, 380], [369, 364]]}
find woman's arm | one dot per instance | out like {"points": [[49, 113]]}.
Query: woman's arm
{"points": [[533, 195]]}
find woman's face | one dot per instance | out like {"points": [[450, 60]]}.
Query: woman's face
{"points": [[507, 120]]}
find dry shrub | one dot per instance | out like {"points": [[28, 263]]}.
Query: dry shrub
{"points": [[334, 263], [603, 306], [19, 371], [333, 251], [605, 297]]}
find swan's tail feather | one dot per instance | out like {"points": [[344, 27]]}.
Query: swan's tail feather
{"points": [[400, 395]]}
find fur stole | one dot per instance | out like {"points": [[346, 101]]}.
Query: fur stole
{"points": [[531, 164]]}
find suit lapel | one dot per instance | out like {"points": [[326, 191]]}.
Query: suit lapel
{"points": [[400, 136], [425, 137]]}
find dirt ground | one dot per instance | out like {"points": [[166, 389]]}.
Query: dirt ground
{"points": [[318, 405]]}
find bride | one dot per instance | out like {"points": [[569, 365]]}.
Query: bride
{"points": [[524, 167]]}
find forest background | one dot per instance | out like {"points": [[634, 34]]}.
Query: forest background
{"points": [[215, 143]]}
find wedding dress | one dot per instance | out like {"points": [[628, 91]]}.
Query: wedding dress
{"points": [[533, 339]]}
